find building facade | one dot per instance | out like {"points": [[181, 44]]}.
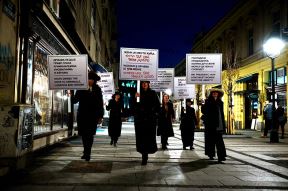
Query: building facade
{"points": [[31, 115], [246, 75]]}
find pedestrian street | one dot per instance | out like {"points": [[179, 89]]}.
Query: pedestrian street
{"points": [[252, 164]]}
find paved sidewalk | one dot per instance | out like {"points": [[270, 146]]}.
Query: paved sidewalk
{"points": [[252, 164]]}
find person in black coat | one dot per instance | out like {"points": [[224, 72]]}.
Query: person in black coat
{"points": [[145, 121], [281, 119], [90, 112], [187, 125], [115, 122], [213, 117], [166, 117]]}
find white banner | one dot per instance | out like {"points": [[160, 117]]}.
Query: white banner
{"points": [[182, 90], [164, 81], [106, 83], [68, 72], [138, 64], [203, 68]]}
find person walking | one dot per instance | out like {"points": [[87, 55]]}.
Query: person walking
{"points": [[187, 125], [115, 122], [281, 119], [214, 125], [268, 114], [145, 120], [166, 117], [90, 112]]}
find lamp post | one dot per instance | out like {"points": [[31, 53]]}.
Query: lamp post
{"points": [[272, 48]]}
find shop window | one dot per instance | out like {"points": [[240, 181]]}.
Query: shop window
{"points": [[51, 107]]}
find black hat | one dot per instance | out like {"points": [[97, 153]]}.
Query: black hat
{"points": [[93, 76], [145, 81]]}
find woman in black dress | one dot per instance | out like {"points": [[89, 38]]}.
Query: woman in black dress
{"points": [[115, 122]]}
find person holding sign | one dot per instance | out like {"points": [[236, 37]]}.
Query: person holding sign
{"points": [[166, 117], [145, 120], [90, 112], [115, 122], [187, 125], [213, 117]]}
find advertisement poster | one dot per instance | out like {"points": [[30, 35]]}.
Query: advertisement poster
{"points": [[165, 80], [182, 90], [203, 68], [68, 72], [106, 83], [138, 64]]}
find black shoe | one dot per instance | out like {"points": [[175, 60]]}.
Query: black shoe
{"points": [[115, 144], [111, 142], [164, 148], [191, 147], [144, 162], [87, 158], [220, 160], [83, 157], [184, 148], [211, 158]]}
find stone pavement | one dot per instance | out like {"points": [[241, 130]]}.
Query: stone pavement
{"points": [[252, 164]]}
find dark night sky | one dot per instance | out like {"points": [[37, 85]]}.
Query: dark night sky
{"points": [[167, 25]]}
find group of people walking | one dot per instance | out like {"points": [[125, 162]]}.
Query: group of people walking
{"points": [[148, 115]]}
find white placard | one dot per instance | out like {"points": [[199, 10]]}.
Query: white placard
{"points": [[165, 80], [182, 90], [138, 64], [68, 72], [106, 83], [203, 68]]}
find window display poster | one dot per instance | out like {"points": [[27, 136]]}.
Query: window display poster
{"points": [[106, 83], [68, 72], [182, 90], [203, 68], [138, 64], [165, 80]]}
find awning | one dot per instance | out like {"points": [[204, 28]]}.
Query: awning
{"points": [[246, 78], [98, 67]]}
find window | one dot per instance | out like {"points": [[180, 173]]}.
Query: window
{"points": [[250, 42], [280, 77], [93, 15], [50, 106]]}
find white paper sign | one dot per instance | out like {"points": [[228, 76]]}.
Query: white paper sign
{"points": [[183, 90], [68, 71], [203, 68], [164, 81], [138, 64], [106, 83]]}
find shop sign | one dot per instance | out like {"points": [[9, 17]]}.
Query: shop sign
{"points": [[68, 72], [138, 64], [203, 68], [165, 80], [9, 9]]}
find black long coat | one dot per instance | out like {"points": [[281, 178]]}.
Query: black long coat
{"points": [[165, 121], [115, 123], [211, 110], [145, 121], [187, 126], [90, 109]]}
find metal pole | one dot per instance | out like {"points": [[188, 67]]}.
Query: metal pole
{"points": [[274, 138]]}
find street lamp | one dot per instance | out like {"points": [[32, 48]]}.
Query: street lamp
{"points": [[272, 48]]}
